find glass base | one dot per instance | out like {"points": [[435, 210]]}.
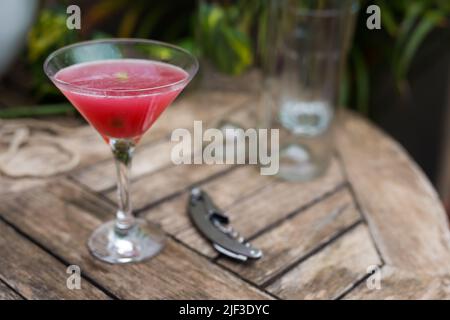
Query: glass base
{"points": [[141, 242], [298, 163]]}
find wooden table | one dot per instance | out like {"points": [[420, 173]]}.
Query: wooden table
{"points": [[374, 207]]}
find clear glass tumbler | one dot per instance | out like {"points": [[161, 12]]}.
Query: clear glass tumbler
{"points": [[310, 40]]}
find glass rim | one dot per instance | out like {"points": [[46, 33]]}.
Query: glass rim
{"points": [[120, 40]]}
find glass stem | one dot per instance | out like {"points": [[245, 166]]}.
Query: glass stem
{"points": [[123, 154]]}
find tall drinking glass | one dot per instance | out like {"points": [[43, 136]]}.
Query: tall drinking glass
{"points": [[309, 40], [121, 86]]}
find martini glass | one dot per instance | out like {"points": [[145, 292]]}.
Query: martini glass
{"points": [[121, 86]]}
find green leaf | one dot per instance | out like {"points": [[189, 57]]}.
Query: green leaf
{"points": [[207, 27], [49, 32], [240, 44], [411, 15], [221, 39], [36, 111], [97, 35], [189, 45], [215, 15], [387, 18], [428, 22], [129, 21]]}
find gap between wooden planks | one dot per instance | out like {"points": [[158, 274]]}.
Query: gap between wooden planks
{"points": [[403, 211], [394, 196]]}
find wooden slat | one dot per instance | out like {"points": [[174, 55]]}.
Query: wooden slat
{"points": [[226, 190], [148, 158], [10, 185], [307, 255], [297, 236], [252, 201], [403, 210], [329, 273], [398, 284], [8, 294], [88, 144], [63, 227], [154, 187], [82, 198], [35, 274], [276, 201], [270, 204]]}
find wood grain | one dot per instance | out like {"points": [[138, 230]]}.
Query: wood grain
{"points": [[168, 181], [91, 148], [148, 158], [297, 236], [252, 201], [228, 189], [35, 274], [276, 201], [64, 227], [11, 185], [329, 273], [316, 246], [404, 213], [8, 294], [399, 284], [270, 204]]}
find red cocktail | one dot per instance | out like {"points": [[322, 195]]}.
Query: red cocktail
{"points": [[114, 100], [121, 86]]}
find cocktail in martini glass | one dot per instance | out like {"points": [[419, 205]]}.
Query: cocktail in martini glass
{"points": [[121, 86]]}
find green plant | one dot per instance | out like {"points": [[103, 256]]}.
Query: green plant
{"points": [[48, 33], [223, 36], [42, 110], [141, 19], [405, 26], [229, 33]]}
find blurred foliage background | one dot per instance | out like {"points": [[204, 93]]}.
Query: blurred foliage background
{"points": [[397, 76], [228, 33]]}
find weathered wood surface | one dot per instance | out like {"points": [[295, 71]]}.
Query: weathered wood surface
{"points": [[331, 272], [33, 273], [176, 273], [8, 294], [309, 230], [400, 284], [373, 207], [402, 209]]}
